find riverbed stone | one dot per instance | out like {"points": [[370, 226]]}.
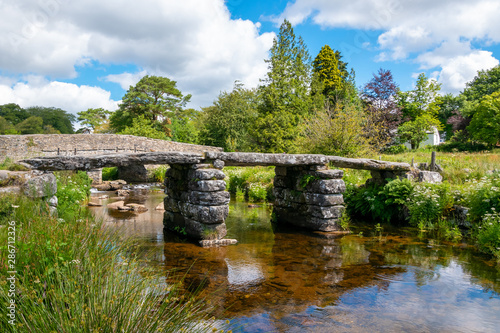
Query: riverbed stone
{"points": [[137, 207], [116, 205]]}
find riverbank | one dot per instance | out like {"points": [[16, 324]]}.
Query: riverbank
{"points": [[72, 275]]}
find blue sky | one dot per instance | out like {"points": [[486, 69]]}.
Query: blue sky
{"points": [[85, 54]]}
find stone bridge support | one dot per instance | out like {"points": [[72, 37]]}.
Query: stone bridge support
{"points": [[196, 203], [309, 197]]}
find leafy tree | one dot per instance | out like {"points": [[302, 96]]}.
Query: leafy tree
{"points": [[13, 113], [485, 83], [141, 126], [153, 97], [183, 127], [485, 125], [285, 93], [93, 118], [420, 108], [226, 123], [415, 131], [449, 107], [326, 67], [49, 129], [336, 130], [55, 117], [31, 125], [6, 127], [384, 115]]}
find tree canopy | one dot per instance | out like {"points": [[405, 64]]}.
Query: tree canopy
{"points": [[152, 97], [93, 118]]}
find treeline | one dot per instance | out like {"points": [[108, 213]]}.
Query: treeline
{"points": [[35, 120], [306, 105]]}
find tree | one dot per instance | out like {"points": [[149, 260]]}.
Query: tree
{"points": [[420, 108], [326, 67], [153, 97], [31, 125], [485, 125], [93, 118], [384, 115], [142, 127], [336, 130], [226, 123], [485, 83], [183, 127], [285, 93], [13, 113], [55, 117]]}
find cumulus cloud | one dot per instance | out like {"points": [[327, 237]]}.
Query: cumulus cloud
{"points": [[193, 42], [414, 30], [37, 91]]}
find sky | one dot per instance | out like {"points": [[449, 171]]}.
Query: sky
{"points": [[76, 55]]}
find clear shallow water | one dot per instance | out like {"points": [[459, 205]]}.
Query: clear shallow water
{"points": [[285, 280]]}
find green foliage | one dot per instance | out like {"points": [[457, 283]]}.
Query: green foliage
{"points": [[483, 197], [152, 98], [158, 174], [485, 83], [253, 183], [183, 126], [285, 97], [487, 234], [396, 149], [110, 173], [337, 131], [73, 190], [226, 123], [416, 131], [306, 179], [93, 118], [326, 67], [485, 124], [13, 113], [59, 119], [76, 276], [141, 126], [429, 203], [6, 128], [420, 108], [31, 125]]}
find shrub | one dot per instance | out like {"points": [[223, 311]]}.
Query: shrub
{"points": [[253, 183], [429, 203], [110, 173], [73, 189], [483, 197], [488, 234]]}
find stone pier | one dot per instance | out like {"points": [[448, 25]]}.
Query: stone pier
{"points": [[196, 203], [309, 197]]}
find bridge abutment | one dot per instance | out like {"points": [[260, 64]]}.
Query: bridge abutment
{"points": [[196, 203], [309, 197]]}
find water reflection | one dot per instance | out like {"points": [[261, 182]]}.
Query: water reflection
{"points": [[281, 280]]}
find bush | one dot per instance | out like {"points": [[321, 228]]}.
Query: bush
{"points": [[428, 204], [253, 183], [110, 173], [73, 190], [488, 234], [396, 149]]}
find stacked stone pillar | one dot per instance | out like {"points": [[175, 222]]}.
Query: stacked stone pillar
{"points": [[196, 203], [309, 197]]}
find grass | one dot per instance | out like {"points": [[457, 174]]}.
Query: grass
{"points": [[253, 183], [73, 275], [9, 164]]}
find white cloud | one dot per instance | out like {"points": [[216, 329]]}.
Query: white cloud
{"points": [[415, 30], [125, 80], [194, 42], [37, 91]]}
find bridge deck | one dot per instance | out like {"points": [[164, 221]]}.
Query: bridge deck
{"points": [[90, 162]]}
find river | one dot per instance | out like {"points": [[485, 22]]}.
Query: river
{"points": [[278, 279]]}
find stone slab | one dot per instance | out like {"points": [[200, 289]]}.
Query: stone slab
{"points": [[206, 174], [204, 214], [207, 185], [204, 231]]}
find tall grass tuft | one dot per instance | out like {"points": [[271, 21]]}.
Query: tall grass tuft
{"points": [[73, 275], [254, 183]]}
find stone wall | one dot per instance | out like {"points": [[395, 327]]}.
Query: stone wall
{"points": [[309, 197], [26, 146], [196, 203]]}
